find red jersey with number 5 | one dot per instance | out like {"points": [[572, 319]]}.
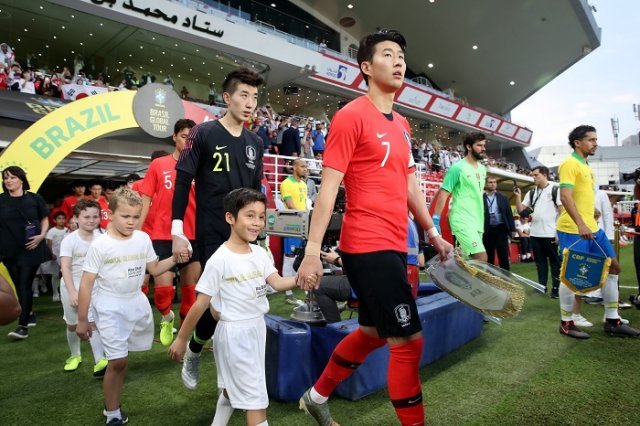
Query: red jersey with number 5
{"points": [[159, 184], [373, 151]]}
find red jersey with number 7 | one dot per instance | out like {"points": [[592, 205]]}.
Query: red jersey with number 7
{"points": [[373, 150], [159, 184]]}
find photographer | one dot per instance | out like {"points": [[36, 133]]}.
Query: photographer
{"points": [[336, 288], [543, 204], [332, 289]]}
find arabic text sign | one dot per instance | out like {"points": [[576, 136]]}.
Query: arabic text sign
{"points": [[148, 8]]}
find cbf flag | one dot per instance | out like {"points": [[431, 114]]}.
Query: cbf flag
{"points": [[583, 272]]}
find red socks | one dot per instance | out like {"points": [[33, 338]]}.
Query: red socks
{"points": [[188, 299], [163, 298], [346, 357], [404, 382]]}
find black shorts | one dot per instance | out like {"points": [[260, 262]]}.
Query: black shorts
{"points": [[205, 252], [164, 250], [379, 279]]}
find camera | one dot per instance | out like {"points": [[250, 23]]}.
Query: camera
{"points": [[631, 176], [332, 234]]}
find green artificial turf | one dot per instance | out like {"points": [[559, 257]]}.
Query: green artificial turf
{"points": [[520, 372]]}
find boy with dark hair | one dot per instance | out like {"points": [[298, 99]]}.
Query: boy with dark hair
{"points": [[234, 283], [116, 263], [369, 148], [219, 156], [158, 186]]}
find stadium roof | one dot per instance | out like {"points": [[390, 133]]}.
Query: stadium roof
{"points": [[525, 42]]}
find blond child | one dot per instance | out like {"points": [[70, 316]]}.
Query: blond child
{"points": [[116, 263]]}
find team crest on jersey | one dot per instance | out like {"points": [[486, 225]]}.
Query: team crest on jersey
{"points": [[251, 157], [403, 314], [251, 153]]}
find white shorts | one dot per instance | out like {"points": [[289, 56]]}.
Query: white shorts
{"points": [[239, 350], [70, 315], [125, 324]]}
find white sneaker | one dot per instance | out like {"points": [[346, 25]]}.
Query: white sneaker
{"points": [[581, 321], [622, 320], [190, 369], [55, 298]]}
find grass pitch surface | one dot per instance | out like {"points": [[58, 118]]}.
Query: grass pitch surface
{"points": [[520, 372]]}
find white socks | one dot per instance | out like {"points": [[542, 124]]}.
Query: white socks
{"points": [[115, 414], [55, 284], [610, 297], [96, 346], [74, 343], [316, 397], [169, 317], [224, 410], [566, 302]]}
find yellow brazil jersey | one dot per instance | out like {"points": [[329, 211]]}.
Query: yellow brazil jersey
{"points": [[295, 190], [577, 174]]}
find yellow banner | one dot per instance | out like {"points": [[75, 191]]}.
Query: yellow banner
{"points": [[40, 148]]}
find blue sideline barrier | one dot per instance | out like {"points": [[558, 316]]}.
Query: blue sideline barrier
{"points": [[288, 361], [297, 353]]}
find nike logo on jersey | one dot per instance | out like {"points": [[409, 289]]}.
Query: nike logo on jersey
{"points": [[220, 147], [380, 135]]}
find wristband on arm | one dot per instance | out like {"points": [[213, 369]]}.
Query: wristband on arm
{"points": [[177, 230], [433, 232], [436, 225], [177, 227]]}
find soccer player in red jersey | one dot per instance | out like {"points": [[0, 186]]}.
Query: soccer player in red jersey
{"points": [[95, 193], [157, 190], [77, 187], [369, 148]]}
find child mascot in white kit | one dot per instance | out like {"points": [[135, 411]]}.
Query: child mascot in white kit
{"points": [[234, 284]]}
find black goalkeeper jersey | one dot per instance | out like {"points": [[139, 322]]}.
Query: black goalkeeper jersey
{"points": [[217, 162]]}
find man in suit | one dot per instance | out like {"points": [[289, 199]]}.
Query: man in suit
{"points": [[498, 224], [291, 140]]}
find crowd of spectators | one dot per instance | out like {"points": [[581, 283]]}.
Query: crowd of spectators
{"points": [[295, 136], [24, 76], [437, 157], [268, 125]]}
